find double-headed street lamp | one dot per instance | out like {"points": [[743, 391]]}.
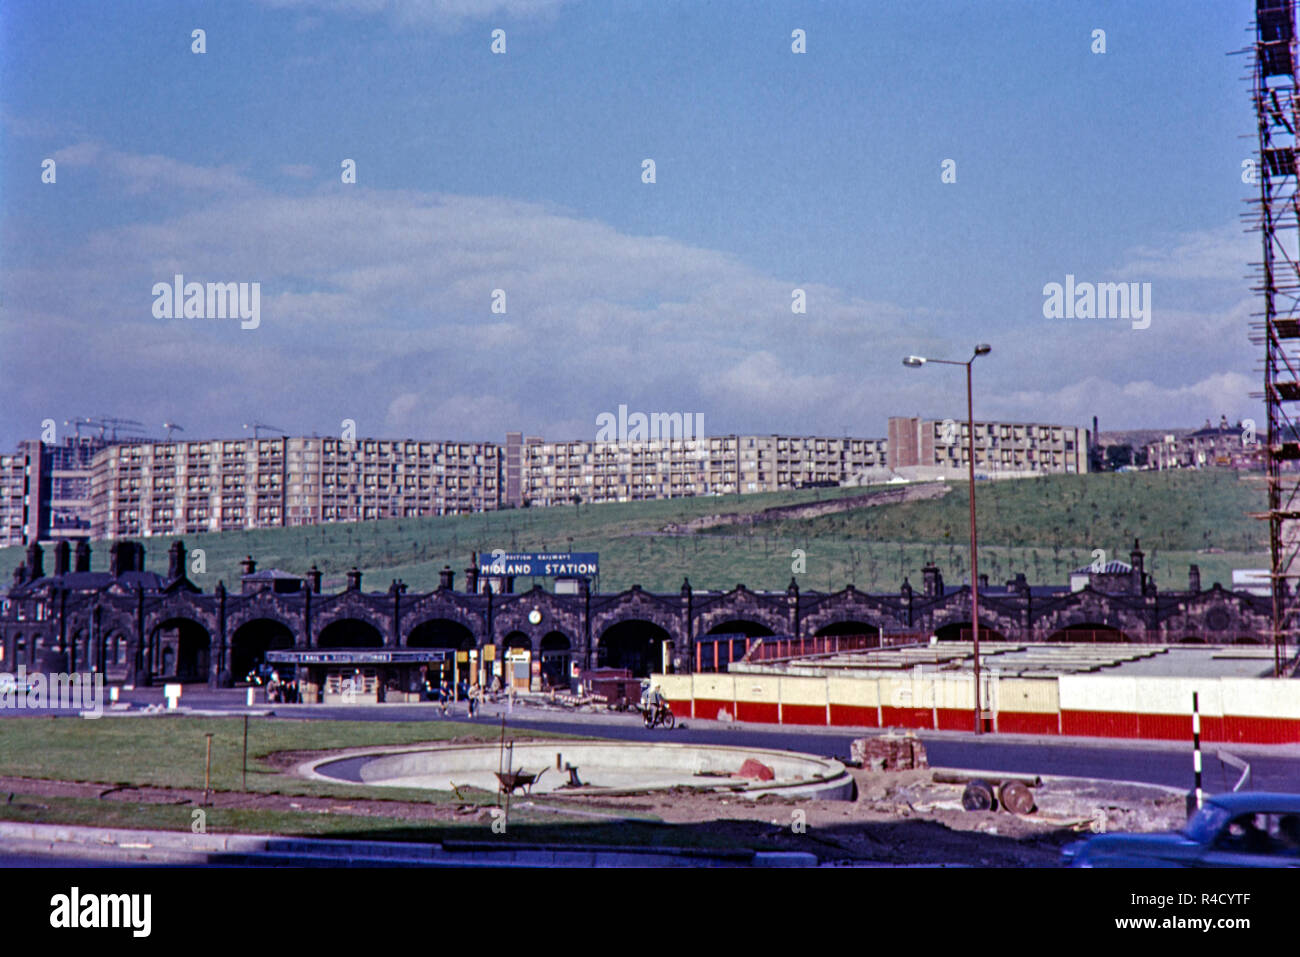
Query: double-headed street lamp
{"points": [[915, 362]]}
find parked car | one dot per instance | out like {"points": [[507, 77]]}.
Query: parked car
{"points": [[1245, 829]]}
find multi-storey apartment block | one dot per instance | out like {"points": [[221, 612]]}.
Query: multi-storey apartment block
{"points": [[558, 473], [1001, 448], [16, 496], [138, 488], [45, 491], [192, 487]]}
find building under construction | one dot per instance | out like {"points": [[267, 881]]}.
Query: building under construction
{"points": [[1275, 216]]}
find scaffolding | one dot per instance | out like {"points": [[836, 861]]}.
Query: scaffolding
{"points": [[1276, 216]]}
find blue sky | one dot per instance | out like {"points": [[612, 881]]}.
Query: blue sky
{"points": [[522, 172]]}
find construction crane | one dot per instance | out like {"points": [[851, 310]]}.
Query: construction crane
{"points": [[104, 423], [77, 423], [172, 427], [257, 428]]}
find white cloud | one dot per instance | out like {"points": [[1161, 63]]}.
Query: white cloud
{"points": [[149, 173], [1216, 254], [376, 306]]}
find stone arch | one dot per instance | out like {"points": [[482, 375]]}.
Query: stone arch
{"points": [[633, 643], [1089, 631], [350, 608], [83, 651], [250, 642], [741, 608], [347, 632], [741, 626], [116, 651], [181, 607], [517, 639], [438, 608], [556, 651], [263, 608], [961, 631], [848, 627], [440, 633], [639, 605], [182, 649]]}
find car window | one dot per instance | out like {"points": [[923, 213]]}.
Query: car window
{"points": [[1288, 833], [1261, 833]]}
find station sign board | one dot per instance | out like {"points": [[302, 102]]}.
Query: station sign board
{"points": [[539, 564]]}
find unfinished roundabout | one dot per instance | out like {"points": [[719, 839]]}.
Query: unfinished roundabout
{"points": [[610, 769]]}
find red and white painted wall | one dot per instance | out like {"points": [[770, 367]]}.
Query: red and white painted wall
{"points": [[1237, 710]]}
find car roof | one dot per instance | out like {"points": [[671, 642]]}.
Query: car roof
{"points": [[1245, 801]]}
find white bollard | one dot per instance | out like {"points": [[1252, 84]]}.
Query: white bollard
{"points": [[251, 691], [112, 694], [173, 695]]}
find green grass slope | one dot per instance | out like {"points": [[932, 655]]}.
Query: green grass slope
{"points": [[1044, 527]]}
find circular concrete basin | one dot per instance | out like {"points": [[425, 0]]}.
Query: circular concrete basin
{"points": [[604, 768]]}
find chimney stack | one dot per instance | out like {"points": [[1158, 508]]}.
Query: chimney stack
{"points": [[176, 560], [62, 553], [35, 562], [1139, 569]]}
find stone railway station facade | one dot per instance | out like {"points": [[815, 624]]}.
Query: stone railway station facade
{"points": [[142, 628]]}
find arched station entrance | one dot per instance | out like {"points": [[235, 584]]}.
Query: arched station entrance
{"points": [[636, 645], [181, 649]]}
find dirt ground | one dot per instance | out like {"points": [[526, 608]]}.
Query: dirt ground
{"points": [[905, 817], [898, 817]]}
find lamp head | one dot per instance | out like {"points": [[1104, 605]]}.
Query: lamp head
{"points": [[914, 362], [983, 349]]}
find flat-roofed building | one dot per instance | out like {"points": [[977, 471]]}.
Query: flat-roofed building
{"points": [[218, 485], [557, 472], [1002, 449]]}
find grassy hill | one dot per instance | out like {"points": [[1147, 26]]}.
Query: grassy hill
{"points": [[1044, 527]]}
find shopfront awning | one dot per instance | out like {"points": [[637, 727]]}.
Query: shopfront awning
{"points": [[361, 656]]}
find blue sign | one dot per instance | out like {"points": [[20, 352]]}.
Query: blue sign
{"points": [[540, 564]]}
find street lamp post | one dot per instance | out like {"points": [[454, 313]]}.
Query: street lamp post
{"points": [[915, 362]]}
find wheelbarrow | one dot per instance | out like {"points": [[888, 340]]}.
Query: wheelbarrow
{"points": [[512, 781]]}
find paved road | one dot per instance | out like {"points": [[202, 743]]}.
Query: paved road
{"points": [[1154, 763]]}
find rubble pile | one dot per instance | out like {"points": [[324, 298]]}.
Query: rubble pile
{"points": [[889, 752]]}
